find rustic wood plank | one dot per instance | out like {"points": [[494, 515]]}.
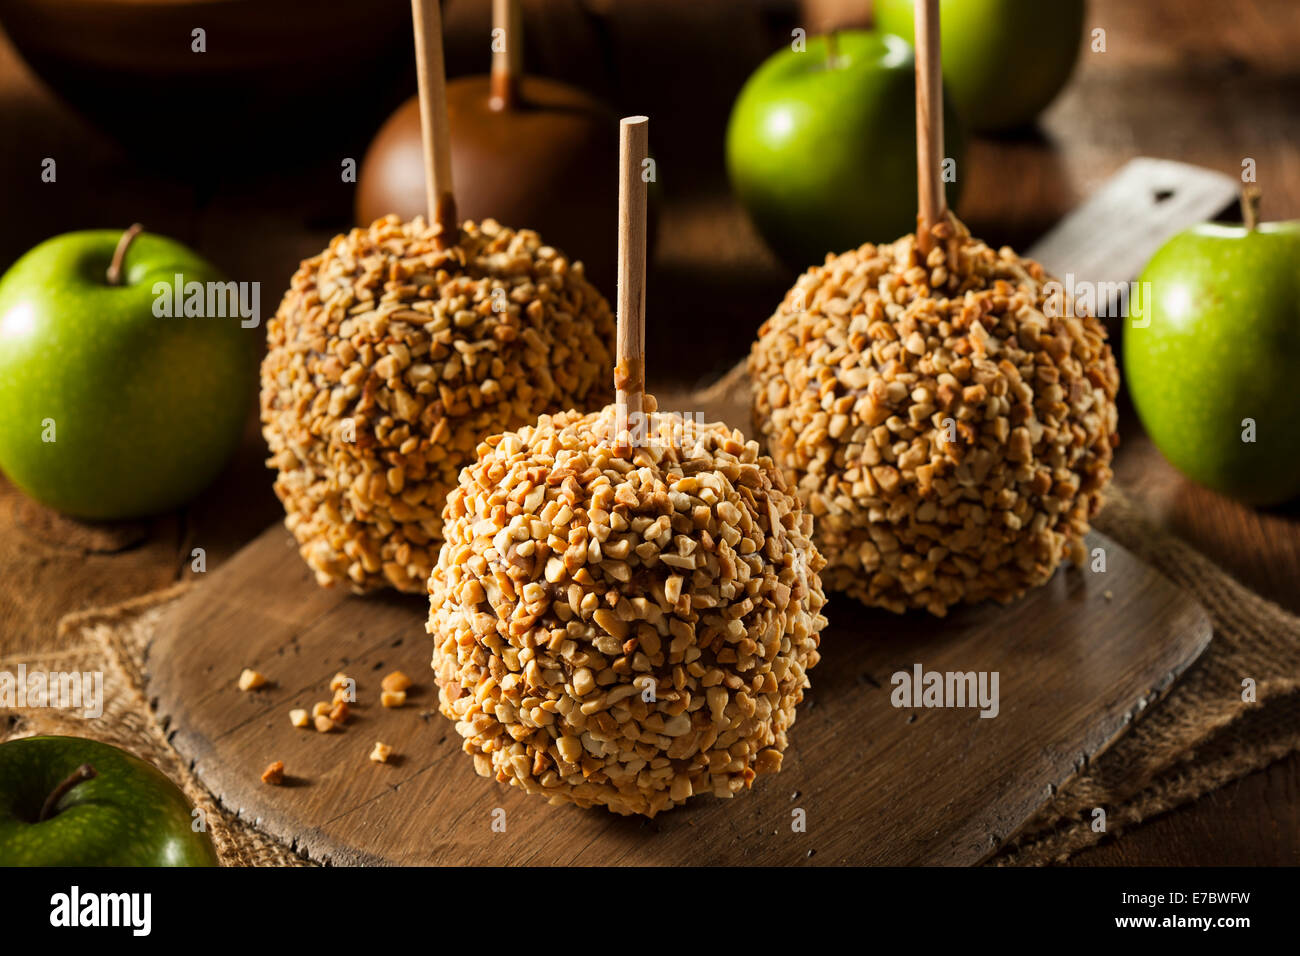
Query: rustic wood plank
{"points": [[1077, 660]]}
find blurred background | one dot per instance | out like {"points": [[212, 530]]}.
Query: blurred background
{"points": [[237, 153]]}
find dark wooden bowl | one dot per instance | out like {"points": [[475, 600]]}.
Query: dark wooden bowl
{"points": [[288, 68]]}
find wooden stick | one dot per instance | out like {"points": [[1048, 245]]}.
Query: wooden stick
{"points": [[629, 372], [439, 195], [507, 62], [929, 124]]}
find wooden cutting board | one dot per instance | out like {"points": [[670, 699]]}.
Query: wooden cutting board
{"points": [[863, 781]]}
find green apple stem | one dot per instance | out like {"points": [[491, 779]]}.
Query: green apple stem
{"points": [[832, 49], [1250, 196], [119, 254], [80, 775]]}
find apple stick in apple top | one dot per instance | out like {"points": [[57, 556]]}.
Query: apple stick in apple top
{"points": [[507, 54], [929, 124], [432, 76], [629, 368]]}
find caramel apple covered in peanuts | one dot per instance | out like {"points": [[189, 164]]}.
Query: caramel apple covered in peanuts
{"points": [[627, 603], [624, 629], [391, 358], [398, 349], [944, 412], [951, 440]]}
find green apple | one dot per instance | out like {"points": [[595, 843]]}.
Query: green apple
{"points": [[108, 407], [821, 145], [1214, 375], [68, 801], [1003, 60]]}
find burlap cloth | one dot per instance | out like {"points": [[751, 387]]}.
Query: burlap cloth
{"points": [[1199, 737], [113, 640]]}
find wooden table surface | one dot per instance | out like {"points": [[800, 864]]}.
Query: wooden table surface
{"points": [[1195, 80]]}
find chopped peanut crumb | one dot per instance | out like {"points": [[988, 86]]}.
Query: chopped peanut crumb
{"points": [[251, 680], [299, 717], [339, 713], [396, 681], [393, 698], [274, 774], [769, 761], [339, 681], [324, 724], [381, 753], [319, 708]]}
